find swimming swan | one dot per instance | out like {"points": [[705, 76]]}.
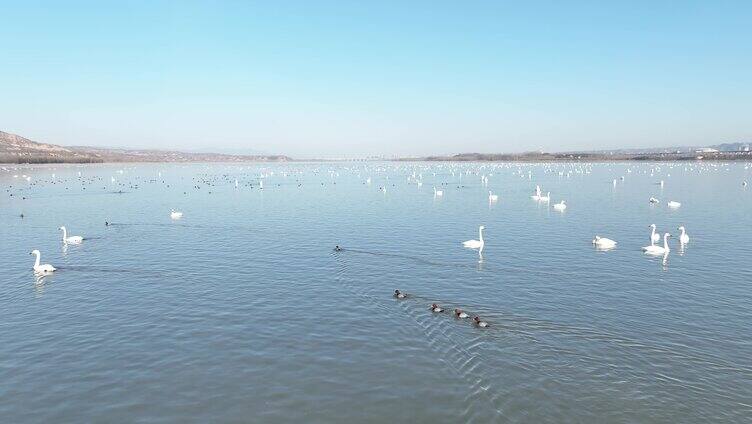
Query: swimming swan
{"points": [[71, 239], [41, 269], [658, 250], [175, 214], [683, 237], [672, 204], [492, 197], [437, 192], [560, 206], [476, 244], [603, 243], [537, 194], [545, 198], [654, 237]]}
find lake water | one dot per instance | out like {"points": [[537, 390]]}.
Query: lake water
{"points": [[241, 311]]}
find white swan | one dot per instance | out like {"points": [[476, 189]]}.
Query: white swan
{"points": [[476, 244], [654, 200], [176, 214], [658, 250], [545, 198], [71, 239], [560, 206], [673, 204], [537, 194], [492, 197], [683, 237], [437, 192], [41, 269], [654, 237], [603, 243]]}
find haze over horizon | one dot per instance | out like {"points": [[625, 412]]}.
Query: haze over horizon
{"points": [[310, 79]]}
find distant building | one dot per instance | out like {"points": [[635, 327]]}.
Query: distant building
{"points": [[706, 150]]}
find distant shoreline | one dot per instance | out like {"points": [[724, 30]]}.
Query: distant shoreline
{"points": [[586, 157]]}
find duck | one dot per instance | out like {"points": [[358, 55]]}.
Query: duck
{"points": [[436, 308], [43, 268], [71, 239], [603, 243], [658, 250], [673, 204], [399, 295], [654, 200], [337, 248], [560, 206], [683, 237], [176, 214], [479, 322], [654, 237], [459, 313]]}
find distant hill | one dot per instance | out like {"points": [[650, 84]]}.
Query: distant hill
{"points": [[16, 149]]}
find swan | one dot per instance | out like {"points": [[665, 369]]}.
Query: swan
{"points": [[658, 250], [603, 243], [560, 206], [176, 214], [654, 237], [437, 192], [654, 200], [545, 198], [492, 197], [476, 244], [41, 269], [683, 237], [537, 194], [673, 204], [480, 323], [71, 239]]}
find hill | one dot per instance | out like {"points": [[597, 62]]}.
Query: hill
{"points": [[17, 149]]}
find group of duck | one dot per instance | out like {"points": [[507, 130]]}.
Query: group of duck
{"points": [[458, 313]]}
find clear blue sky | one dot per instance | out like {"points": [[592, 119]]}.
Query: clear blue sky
{"points": [[350, 78]]}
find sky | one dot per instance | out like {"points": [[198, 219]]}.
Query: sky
{"points": [[360, 78]]}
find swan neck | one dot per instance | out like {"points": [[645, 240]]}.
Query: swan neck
{"points": [[36, 261], [65, 233], [480, 234]]}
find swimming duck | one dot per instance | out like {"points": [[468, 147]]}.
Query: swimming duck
{"points": [[459, 313], [337, 248], [480, 323], [436, 308], [399, 295]]}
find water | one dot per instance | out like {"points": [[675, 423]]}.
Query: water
{"points": [[242, 312]]}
